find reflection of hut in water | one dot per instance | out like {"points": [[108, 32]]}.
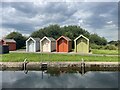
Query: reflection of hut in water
{"points": [[81, 44], [53, 71], [82, 73]]}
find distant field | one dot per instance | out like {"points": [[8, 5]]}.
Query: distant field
{"points": [[109, 52], [36, 57]]}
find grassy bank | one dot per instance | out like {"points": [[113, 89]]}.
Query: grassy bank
{"points": [[109, 52], [36, 57]]}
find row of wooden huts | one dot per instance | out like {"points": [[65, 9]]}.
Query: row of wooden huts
{"points": [[62, 44]]}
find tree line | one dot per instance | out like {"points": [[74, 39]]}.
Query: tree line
{"points": [[55, 31], [71, 31]]}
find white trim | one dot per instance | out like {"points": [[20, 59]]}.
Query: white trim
{"points": [[75, 42], [81, 36], [45, 38], [41, 43], [30, 38]]}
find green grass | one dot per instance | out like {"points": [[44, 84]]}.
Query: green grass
{"points": [[109, 52], [36, 57]]}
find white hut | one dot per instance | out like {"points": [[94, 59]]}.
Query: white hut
{"points": [[33, 44], [48, 44]]}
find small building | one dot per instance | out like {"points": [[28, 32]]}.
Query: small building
{"points": [[10, 42], [81, 44], [4, 49], [32, 44], [47, 44], [63, 44], [2, 42]]}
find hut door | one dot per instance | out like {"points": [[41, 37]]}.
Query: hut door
{"points": [[80, 46], [62, 45], [31, 46], [46, 46]]}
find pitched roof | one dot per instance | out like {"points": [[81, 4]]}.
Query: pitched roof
{"points": [[67, 38], [48, 38], [36, 39], [51, 39], [81, 36], [9, 40]]}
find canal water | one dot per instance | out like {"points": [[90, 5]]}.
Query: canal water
{"points": [[44, 79]]}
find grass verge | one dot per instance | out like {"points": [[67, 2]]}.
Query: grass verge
{"points": [[109, 52], [36, 57]]}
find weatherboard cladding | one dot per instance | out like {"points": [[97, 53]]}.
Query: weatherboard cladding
{"points": [[63, 44], [48, 44], [51, 39], [81, 44], [10, 42], [32, 44], [68, 39], [37, 39]]}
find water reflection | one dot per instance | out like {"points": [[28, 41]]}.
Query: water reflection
{"points": [[51, 79]]}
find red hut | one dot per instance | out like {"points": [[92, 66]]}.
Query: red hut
{"points": [[10, 42], [63, 44], [2, 42]]}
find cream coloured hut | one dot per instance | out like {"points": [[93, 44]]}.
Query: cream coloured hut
{"points": [[47, 44]]}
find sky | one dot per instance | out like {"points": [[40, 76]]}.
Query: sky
{"points": [[27, 17]]}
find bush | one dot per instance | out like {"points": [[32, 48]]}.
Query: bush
{"points": [[94, 46], [110, 47]]}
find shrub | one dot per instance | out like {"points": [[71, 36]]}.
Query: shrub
{"points": [[94, 46], [110, 47]]}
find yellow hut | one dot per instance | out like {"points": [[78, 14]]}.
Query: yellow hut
{"points": [[81, 44]]}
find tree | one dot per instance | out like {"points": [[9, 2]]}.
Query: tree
{"points": [[114, 43], [94, 38], [20, 40], [71, 31], [50, 31]]}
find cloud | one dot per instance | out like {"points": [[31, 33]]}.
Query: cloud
{"points": [[109, 22], [26, 17]]}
